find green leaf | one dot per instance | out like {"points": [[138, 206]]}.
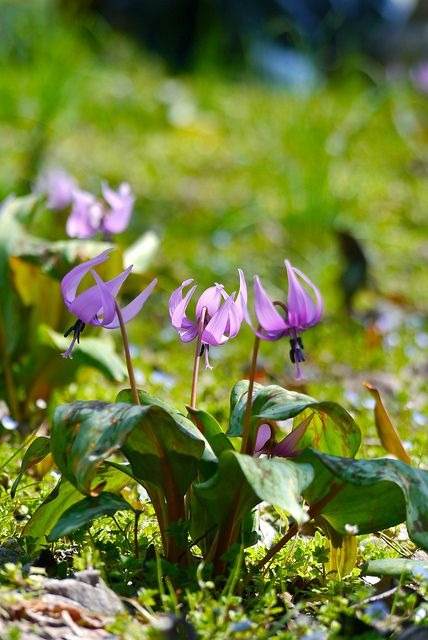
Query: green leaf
{"points": [[61, 498], [332, 429], [158, 446], [208, 460], [38, 449], [396, 567], [211, 429], [375, 494], [46, 515], [94, 352], [83, 512], [241, 482]]}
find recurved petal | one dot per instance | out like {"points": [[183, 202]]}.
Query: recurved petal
{"points": [[188, 330], [134, 307], [78, 225], [177, 296], [268, 317], [108, 307], [214, 333], [242, 298], [234, 321], [317, 309], [121, 204], [179, 313], [289, 446], [303, 312], [72, 279]]}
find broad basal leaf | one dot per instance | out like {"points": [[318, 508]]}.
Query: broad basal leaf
{"points": [[332, 429], [373, 494], [211, 429], [159, 447]]}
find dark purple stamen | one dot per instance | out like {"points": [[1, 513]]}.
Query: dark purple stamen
{"points": [[297, 350], [77, 329]]}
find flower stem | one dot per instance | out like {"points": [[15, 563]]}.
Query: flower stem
{"points": [[129, 366], [197, 361], [247, 445]]}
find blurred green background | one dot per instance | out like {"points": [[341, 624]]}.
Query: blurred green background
{"points": [[236, 165]]}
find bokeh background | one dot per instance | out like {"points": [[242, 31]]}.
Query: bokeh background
{"points": [[250, 132]]}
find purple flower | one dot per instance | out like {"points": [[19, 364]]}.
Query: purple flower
{"points": [[288, 447], [59, 187], [218, 316], [301, 311], [85, 216], [89, 216], [97, 305], [121, 203]]}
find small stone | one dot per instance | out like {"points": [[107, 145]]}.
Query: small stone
{"points": [[89, 590]]}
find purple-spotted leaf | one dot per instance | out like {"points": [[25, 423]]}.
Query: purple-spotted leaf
{"points": [[369, 495], [162, 446]]}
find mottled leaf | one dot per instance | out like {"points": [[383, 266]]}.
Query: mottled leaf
{"points": [[158, 446], [332, 429], [374, 494]]}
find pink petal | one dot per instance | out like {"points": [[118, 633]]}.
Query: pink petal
{"points": [[268, 317], [72, 279], [264, 434], [177, 296], [214, 333], [302, 311], [188, 330], [79, 222], [107, 300], [134, 307], [211, 298], [242, 298], [234, 322], [121, 204], [289, 446], [319, 305], [179, 313]]}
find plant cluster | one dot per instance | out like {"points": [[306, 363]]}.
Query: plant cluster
{"points": [[204, 479]]}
